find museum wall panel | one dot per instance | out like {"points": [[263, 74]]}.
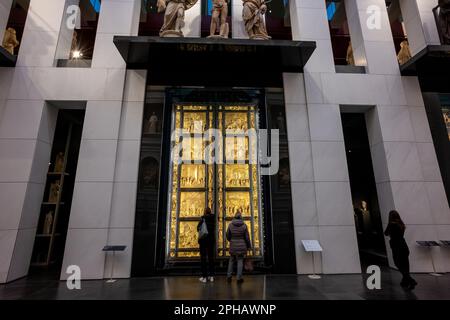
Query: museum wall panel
{"points": [[24, 157], [41, 34]]}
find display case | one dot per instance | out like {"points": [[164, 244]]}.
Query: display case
{"points": [[49, 232]]}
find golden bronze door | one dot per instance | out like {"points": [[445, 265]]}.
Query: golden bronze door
{"points": [[229, 183]]}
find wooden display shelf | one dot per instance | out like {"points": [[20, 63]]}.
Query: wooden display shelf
{"points": [[42, 264], [44, 235], [57, 173]]}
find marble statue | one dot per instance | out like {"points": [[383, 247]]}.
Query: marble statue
{"points": [[173, 16], [48, 223], [350, 58], [54, 192], [404, 54], [219, 19], [59, 162], [253, 15], [10, 40], [152, 124], [444, 20]]}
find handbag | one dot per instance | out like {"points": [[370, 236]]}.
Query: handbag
{"points": [[203, 231], [248, 265]]}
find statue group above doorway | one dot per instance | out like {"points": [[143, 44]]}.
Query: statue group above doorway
{"points": [[252, 14]]}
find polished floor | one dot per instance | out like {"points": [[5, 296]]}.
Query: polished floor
{"points": [[330, 287]]}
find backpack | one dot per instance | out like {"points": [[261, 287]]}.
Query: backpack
{"points": [[203, 231]]}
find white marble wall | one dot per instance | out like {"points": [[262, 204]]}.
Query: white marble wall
{"points": [[322, 203], [27, 125], [406, 169], [112, 122], [102, 210]]}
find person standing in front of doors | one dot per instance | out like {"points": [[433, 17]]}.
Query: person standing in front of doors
{"points": [[207, 243], [400, 251], [239, 238]]}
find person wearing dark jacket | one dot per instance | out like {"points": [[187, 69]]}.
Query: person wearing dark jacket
{"points": [[400, 251], [239, 238], [207, 246]]}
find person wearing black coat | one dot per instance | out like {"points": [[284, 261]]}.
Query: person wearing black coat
{"points": [[207, 246], [400, 251]]}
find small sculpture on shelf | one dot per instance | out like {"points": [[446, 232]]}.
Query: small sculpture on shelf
{"points": [[219, 19], [48, 221], [54, 192], [404, 54], [444, 20], [350, 58], [253, 15], [10, 41], [59, 162], [152, 124], [173, 16]]}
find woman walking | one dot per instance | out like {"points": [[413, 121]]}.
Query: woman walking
{"points": [[400, 251], [239, 238], [207, 245]]}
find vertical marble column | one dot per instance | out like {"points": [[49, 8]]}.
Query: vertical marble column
{"points": [[123, 203], [27, 126], [116, 18], [101, 151], [420, 23], [41, 33], [322, 203], [26, 135], [372, 35], [428, 21], [66, 32]]}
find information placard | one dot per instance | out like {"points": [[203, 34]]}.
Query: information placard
{"points": [[311, 246]]}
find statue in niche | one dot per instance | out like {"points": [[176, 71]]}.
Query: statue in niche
{"points": [[219, 19], [59, 162], [404, 54], [173, 16], [10, 41], [152, 124], [253, 15], [444, 20], [54, 192], [48, 221], [350, 58]]}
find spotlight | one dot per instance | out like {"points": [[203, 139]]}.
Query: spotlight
{"points": [[76, 54]]}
